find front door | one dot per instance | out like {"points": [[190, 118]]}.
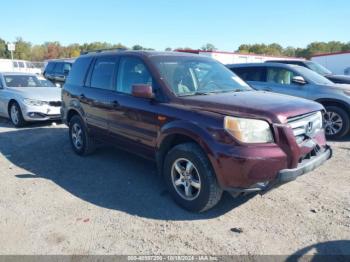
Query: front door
{"points": [[279, 80], [134, 120]]}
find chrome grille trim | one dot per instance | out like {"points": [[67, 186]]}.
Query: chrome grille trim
{"points": [[300, 124]]}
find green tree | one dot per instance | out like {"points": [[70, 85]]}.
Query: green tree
{"points": [[38, 53], [168, 49], [23, 49], [4, 53], [208, 47]]}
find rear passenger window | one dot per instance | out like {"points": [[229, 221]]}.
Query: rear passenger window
{"points": [[78, 72], [102, 74], [49, 67], [15, 64], [58, 68], [21, 64], [251, 73], [132, 71]]}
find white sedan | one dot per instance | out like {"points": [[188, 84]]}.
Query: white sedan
{"points": [[23, 98]]}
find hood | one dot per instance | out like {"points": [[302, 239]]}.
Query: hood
{"points": [[275, 108], [39, 93], [339, 78]]}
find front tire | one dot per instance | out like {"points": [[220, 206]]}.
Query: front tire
{"points": [[336, 122], [16, 116], [190, 178], [82, 143]]}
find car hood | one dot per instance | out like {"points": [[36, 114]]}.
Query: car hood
{"points": [[275, 108], [343, 78], [39, 93]]}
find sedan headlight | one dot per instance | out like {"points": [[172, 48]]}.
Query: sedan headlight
{"points": [[33, 102], [248, 130]]}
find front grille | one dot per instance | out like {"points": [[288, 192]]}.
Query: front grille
{"points": [[55, 103], [305, 126]]}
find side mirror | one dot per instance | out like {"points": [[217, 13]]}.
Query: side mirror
{"points": [[66, 72], [299, 80], [61, 78], [142, 90]]}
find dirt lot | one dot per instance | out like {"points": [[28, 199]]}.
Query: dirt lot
{"points": [[54, 202]]}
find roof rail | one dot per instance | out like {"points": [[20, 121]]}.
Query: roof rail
{"points": [[102, 50]]}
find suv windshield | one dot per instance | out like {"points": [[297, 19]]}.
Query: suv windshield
{"points": [[197, 76], [318, 68], [313, 76], [22, 81]]}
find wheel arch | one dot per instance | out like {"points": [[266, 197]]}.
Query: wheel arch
{"points": [[10, 102], [181, 132], [334, 102]]}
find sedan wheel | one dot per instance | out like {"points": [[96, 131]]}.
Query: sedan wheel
{"points": [[14, 114]]}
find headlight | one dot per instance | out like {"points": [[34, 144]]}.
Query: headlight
{"points": [[248, 130], [32, 102]]}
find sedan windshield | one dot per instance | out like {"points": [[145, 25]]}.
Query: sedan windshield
{"points": [[312, 76], [318, 68], [188, 76], [22, 81]]}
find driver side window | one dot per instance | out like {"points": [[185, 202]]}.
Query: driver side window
{"points": [[279, 76], [132, 71]]}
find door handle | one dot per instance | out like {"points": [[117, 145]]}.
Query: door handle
{"points": [[267, 89], [115, 103]]}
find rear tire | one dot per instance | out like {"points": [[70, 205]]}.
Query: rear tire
{"points": [[190, 178], [15, 115], [336, 122], [81, 142]]}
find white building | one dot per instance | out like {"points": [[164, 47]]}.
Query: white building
{"points": [[338, 63], [236, 58]]}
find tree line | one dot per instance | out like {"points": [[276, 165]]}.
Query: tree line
{"points": [[51, 50]]}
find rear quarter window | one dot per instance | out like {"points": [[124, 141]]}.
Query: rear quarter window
{"points": [[78, 72], [251, 73]]}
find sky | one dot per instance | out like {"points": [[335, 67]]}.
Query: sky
{"points": [[177, 23]]}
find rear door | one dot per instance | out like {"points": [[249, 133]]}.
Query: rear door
{"points": [[254, 76], [97, 97]]}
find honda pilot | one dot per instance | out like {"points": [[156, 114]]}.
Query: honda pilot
{"points": [[205, 128]]}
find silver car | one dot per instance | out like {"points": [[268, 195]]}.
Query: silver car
{"points": [[302, 82], [23, 98]]}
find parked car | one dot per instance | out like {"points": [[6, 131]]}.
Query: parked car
{"points": [[302, 82], [207, 130], [22, 66], [23, 98], [45, 82], [337, 79], [57, 71]]}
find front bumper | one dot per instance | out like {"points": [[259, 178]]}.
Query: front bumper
{"points": [[288, 175], [41, 113]]}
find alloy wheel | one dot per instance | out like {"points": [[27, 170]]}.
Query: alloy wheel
{"points": [[333, 123], [77, 136], [14, 114], [185, 179]]}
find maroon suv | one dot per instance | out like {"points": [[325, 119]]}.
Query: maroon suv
{"points": [[207, 130]]}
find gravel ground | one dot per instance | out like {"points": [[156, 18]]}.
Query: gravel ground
{"points": [[54, 202]]}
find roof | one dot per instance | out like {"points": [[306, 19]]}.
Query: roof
{"points": [[139, 52], [193, 51], [332, 53], [17, 73], [261, 65]]}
